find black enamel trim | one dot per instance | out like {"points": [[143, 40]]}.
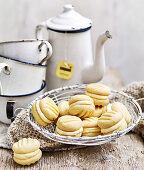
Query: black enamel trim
{"points": [[74, 31], [10, 109]]}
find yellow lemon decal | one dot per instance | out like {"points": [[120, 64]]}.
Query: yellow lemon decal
{"points": [[64, 70]]}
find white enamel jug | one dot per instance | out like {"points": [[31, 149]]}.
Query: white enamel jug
{"points": [[72, 61]]}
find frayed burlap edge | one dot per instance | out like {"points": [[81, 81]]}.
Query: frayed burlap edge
{"points": [[136, 90], [20, 128]]}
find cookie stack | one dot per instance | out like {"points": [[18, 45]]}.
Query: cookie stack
{"points": [[86, 114], [90, 127]]}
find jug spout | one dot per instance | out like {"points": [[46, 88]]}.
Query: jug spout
{"points": [[96, 72]]}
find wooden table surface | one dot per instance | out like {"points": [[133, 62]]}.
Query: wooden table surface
{"points": [[126, 153]]}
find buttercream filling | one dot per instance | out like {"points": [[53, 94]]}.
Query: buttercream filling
{"points": [[61, 132], [82, 103], [96, 96], [41, 114], [26, 155], [90, 130]]}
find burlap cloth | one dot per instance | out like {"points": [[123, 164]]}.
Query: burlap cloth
{"points": [[22, 129]]}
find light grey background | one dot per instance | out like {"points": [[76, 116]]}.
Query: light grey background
{"points": [[124, 18]]}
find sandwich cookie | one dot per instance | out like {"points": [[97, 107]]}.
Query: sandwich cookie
{"points": [[123, 125], [63, 107], [90, 127], [26, 151], [111, 121], [99, 93], [119, 107], [69, 126], [45, 111], [81, 106]]}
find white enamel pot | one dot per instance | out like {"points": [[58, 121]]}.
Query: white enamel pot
{"points": [[72, 61], [23, 78], [9, 103], [29, 51], [70, 37]]}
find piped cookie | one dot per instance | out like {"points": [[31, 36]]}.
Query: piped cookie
{"points": [[26, 151], [90, 127], [119, 107], [111, 121], [63, 107], [81, 106], [69, 126], [45, 111], [99, 93]]}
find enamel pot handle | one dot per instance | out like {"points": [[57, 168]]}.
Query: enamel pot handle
{"points": [[10, 109]]}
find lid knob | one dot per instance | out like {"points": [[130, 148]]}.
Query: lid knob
{"points": [[69, 21], [68, 7]]}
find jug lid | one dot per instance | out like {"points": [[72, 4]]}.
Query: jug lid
{"points": [[69, 21]]}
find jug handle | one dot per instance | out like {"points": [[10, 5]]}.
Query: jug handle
{"points": [[49, 51], [10, 109], [11, 112], [6, 69], [38, 30]]}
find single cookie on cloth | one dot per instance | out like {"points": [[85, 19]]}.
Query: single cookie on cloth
{"points": [[111, 121], [45, 111], [26, 151], [63, 107], [81, 106], [99, 93], [69, 126], [90, 127]]}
